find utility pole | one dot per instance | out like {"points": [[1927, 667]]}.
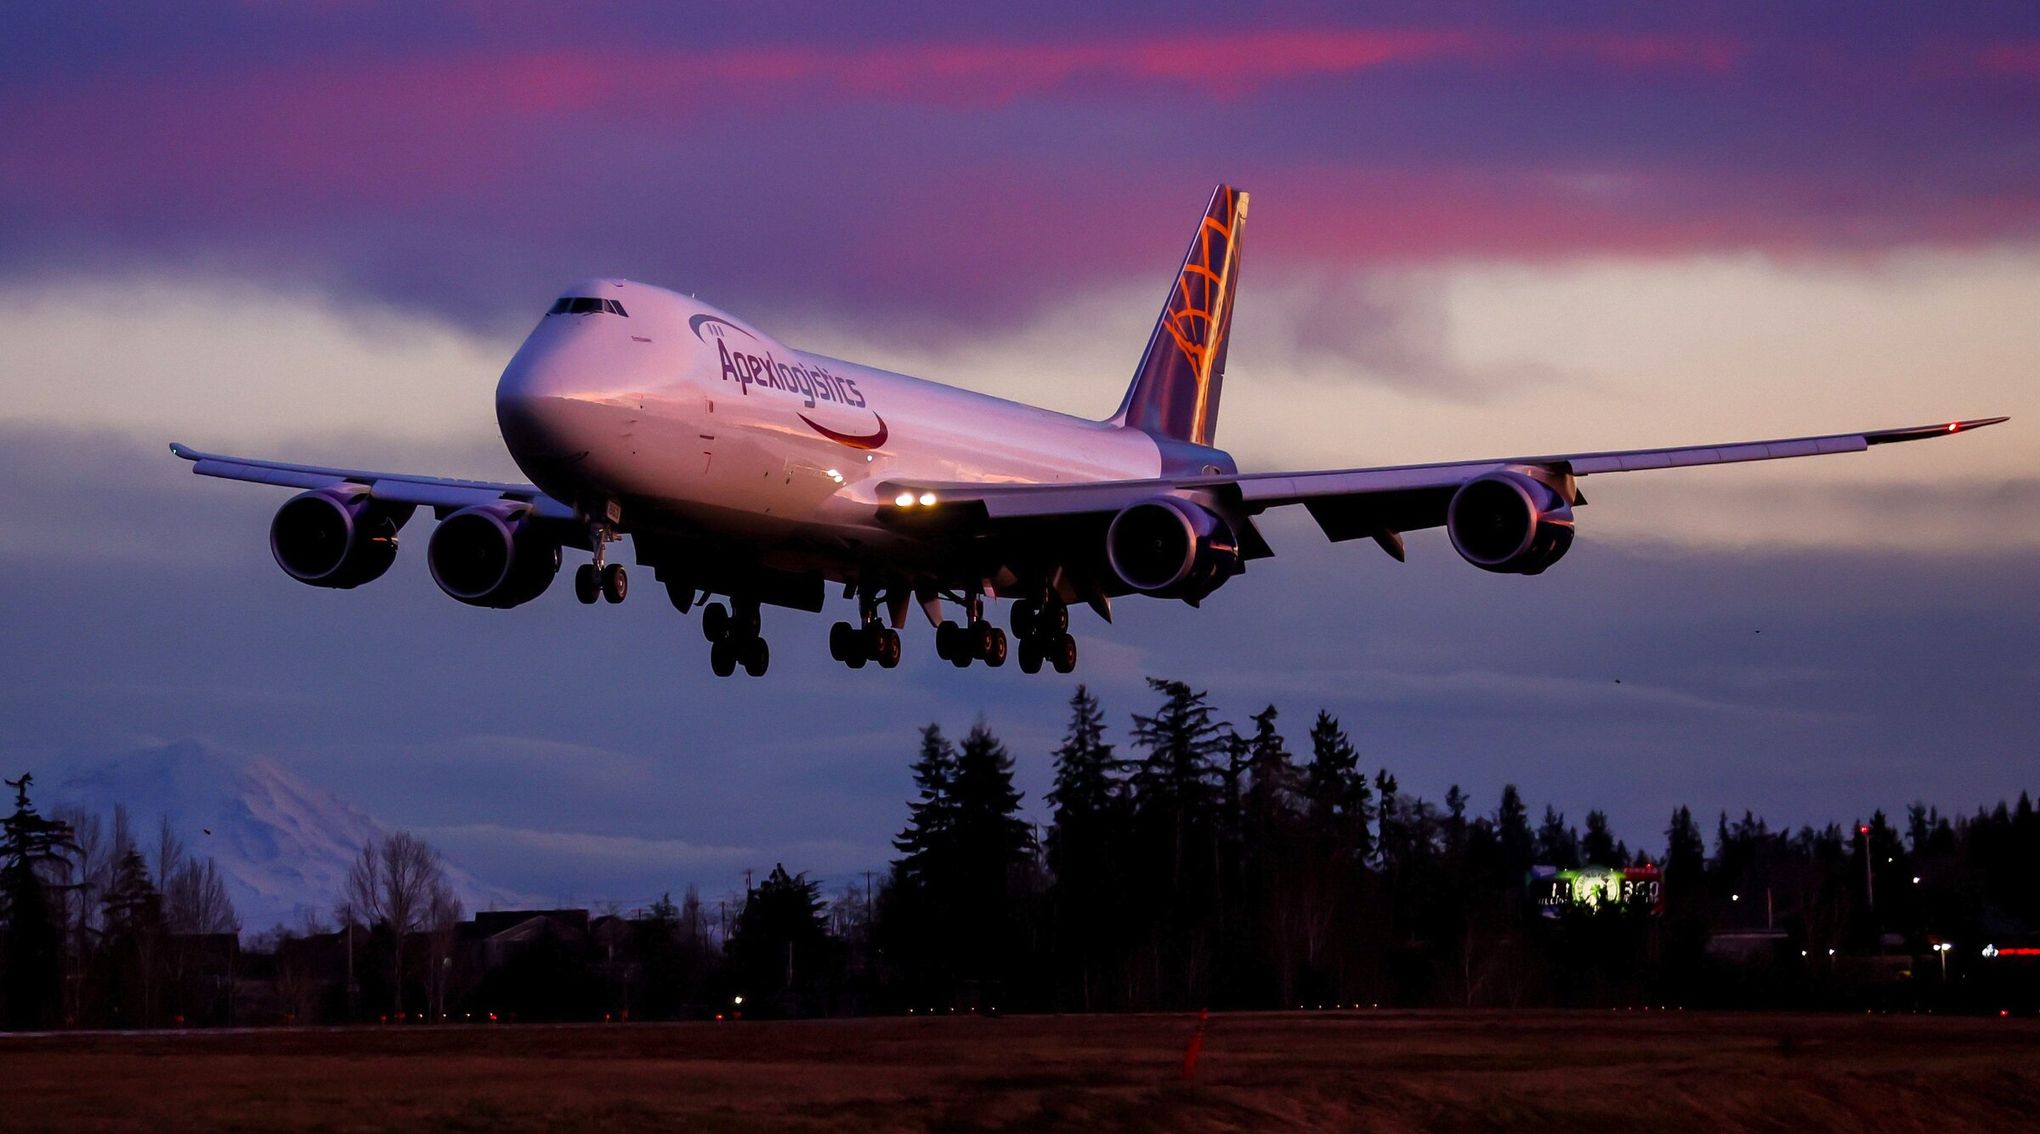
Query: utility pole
{"points": [[1869, 880], [352, 989]]}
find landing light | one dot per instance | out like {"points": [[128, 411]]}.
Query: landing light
{"points": [[904, 500], [927, 500]]}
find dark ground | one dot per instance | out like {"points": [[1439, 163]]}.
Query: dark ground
{"points": [[1373, 1070]]}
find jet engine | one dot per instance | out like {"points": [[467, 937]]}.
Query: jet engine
{"points": [[492, 555], [1510, 523], [1171, 548], [336, 537]]}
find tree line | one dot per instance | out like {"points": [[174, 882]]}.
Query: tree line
{"points": [[1184, 863]]}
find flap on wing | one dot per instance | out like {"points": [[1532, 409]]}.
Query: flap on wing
{"points": [[1369, 515]]}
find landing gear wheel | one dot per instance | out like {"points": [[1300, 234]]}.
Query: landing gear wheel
{"points": [[1025, 615], [715, 622], [995, 648], [587, 587], [843, 641], [757, 657], [1030, 656], [1062, 654], [980, 640], [946, 644], [722, 658], [1054, 620], [888, 652], [615, 583]]}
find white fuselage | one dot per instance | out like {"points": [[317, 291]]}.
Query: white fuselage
{"points": [[680, 416]]}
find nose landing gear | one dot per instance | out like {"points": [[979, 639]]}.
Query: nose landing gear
{"points": [[598, 579], [734, 639]]}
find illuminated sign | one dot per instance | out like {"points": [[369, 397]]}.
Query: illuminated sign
{"points": [[1555, 889]]}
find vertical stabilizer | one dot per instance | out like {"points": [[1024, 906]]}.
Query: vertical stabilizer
{"points": [[1175, 391]]}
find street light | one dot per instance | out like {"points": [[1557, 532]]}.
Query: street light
{"points": [[1942, 948]]}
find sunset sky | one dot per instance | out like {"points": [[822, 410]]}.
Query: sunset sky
{"points": [[318, 231]]}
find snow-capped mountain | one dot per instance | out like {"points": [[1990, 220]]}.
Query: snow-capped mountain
{"points": [[282, 845]]}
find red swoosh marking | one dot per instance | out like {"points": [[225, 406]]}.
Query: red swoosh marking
{"points": [[869, 441]]}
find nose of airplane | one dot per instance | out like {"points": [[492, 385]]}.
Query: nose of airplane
{"points": [[539, 404]]}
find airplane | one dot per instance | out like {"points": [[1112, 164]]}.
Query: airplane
{"points": [[742, 467]]}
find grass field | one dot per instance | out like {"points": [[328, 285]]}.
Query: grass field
{"points": [[1364, 1070]]}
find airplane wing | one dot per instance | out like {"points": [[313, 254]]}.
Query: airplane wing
{"points": [[1352, 503], [443, 495]]}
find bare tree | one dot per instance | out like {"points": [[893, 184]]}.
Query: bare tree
{"points": [[392, 884]]}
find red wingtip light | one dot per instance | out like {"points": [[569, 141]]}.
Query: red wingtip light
{"points": [[1954, 426]]}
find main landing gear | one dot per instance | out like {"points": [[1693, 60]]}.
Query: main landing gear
{"points": [[733, 638], [976, 640], [1044, 632], [871, 642], [597, 579]]}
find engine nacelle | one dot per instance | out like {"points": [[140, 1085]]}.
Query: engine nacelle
{"points": [[1509, 522], [336, 537], [1171, 548], [492, 555]]}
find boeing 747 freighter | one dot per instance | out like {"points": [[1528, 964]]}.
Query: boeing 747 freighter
{"points": [[741, 467]]}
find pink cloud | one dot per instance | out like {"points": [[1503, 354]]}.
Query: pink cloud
{"points": [[2021, 60]]}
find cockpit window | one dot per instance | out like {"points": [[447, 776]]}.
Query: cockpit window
{"points": [[586, 305]]}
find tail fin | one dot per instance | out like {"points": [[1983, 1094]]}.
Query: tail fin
{"points": [[1175, 392]]}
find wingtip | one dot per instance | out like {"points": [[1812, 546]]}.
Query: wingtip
{"points": [[1922, 432], [177, 448]]}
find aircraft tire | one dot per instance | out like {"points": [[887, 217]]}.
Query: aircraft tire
{"points": [[1063, 654], [888, 652], [715, 622], [1054, 620], [586, 587], [946, 645], [1030, 656], [757, 657], [1024, 616], [722, 658], [840, 639], [744, 621], [615, 582], [995, 651]]}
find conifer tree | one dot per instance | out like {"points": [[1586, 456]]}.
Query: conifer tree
{"points": [[1516, 845], [1174, 781], [35, 867], [780, 950], [1085, 838], [1338, 803], [1557, 844], [931, 818], [1598, 846], [992, 845]]}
